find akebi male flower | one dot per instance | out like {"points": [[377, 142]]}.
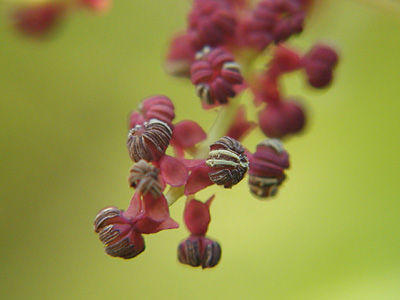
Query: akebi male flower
{"points": [[149, 141], [214, 73], [198, 250], [222, 52], [267, 166]]}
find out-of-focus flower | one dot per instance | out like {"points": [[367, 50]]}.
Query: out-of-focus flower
{"points": [[270, 21], [180, 55], [282, 118], [211, 22], [96, 5], [39, 19], [319, 63]]}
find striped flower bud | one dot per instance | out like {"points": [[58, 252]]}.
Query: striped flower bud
{"points": [[267, 167], [149, 141], [198, 251], [117, 234], [145, 178], [215, 74], [229, 161]]}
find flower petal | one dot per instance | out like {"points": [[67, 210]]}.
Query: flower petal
{"points": [[173, 171], [198, 180], [188, 133]]}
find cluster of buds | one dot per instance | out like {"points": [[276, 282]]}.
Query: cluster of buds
{"points": [[39, 19], [216, 52]]}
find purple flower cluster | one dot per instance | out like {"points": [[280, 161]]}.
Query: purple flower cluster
{"points": [[172, 159]]}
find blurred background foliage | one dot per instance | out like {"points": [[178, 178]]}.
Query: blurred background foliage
{"points": [[332, 232]]}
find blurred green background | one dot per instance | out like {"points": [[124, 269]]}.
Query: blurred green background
{"points": [[332, 233]]}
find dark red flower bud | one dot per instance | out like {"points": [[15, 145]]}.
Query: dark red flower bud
{"points": [[149, 141], [199, 250], [180, 55], [319, 63], [271, 21], [39, 19], [211, 22], [197, 216], [229, 161], [155, 107], [145, 178], [215, 73], [267, 167], [282, 118], [118, 234]]}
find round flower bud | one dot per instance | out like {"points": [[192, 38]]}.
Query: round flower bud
{"points": [[215, 73], [319, 63], [149, 141], [229, 161], [117, 234], [282, 118], [198, 251], [267, 167], [155, 107], [145, 178]]}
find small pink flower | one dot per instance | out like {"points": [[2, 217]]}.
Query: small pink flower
{"points": [[282, 118], [39, 19], [121, 231], [211, 22], [96, 5], [215, 74], [267, 166]]}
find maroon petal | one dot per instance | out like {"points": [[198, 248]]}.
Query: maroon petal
{"points": [[198, 180], [193, 163], [173, 171], [155, 208], [197, 217], [188, 133], [135, 206], [147, 225]]}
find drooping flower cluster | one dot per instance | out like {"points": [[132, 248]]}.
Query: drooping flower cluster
{"points": [[171, 160], [39, 19]]}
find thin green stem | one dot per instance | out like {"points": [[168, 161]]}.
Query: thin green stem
{"points": [[219, 128], [174, 193]]}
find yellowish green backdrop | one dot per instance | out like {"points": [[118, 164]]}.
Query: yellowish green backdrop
{"points": [[332, 233]]}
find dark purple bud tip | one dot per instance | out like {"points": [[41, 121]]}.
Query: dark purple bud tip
{"points": [[228, 160], [149, 141], [145, 178], [198, 251]]}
